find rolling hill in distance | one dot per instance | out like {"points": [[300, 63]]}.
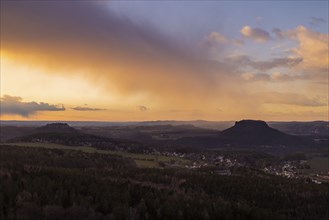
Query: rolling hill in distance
{"points": [[220, 163], [164, 110], [245, 133], [291, 127]]}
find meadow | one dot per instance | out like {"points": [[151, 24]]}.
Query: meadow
{"points": [[141, 160]]}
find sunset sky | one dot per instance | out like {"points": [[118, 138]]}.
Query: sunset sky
{"points": [[142, 60]]}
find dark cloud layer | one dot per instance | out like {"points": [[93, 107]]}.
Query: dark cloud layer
{"points": [[142, 108], [275, 77], [122, 53], [265, 65], [79, 108], [317, 21], [12, 105]]}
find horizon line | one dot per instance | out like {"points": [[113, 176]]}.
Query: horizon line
{"points": [[167, 120]]}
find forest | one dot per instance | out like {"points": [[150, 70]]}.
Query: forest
{"points": [[39, 183]]}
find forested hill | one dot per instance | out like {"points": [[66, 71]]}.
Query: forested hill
{"points": [[56, 128], [38, 183], [60, 133]]}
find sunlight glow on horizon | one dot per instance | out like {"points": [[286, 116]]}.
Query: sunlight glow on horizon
{"points": [[111, 67]]}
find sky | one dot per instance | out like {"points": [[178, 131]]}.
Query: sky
{"points": [[164, 60]]}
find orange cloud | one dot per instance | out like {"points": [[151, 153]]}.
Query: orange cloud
{"points": [[291, 99], [135, 61], [313, 48], [129, 58], [256, 34]]}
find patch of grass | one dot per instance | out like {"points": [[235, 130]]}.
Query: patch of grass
{"points": [[319, 164]]}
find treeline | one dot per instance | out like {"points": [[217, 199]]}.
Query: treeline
{"points": [[40, 183], [82, 139]]}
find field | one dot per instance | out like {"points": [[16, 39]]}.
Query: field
{"points": [[319, 164], [141, 160]]}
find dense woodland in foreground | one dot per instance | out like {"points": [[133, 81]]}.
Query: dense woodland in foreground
{"points": [[37, 183]]}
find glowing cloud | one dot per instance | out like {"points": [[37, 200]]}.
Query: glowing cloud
{"points": [[119, 63], [256, 34], [291, 99], [313, 48], [217, 38]]}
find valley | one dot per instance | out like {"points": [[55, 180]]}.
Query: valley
{"points": [[57, 171]]}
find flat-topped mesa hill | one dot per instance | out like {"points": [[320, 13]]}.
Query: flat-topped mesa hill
{"points": [[246, 133], [249, 127], [257, 132], [56, 128], [62, 133]]}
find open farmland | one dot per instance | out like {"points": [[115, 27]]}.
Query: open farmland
{"points": [[141, 160]]}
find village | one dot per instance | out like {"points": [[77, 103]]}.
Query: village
{"points": [[297, 169]]}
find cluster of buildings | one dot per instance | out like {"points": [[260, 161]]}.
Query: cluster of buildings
{"points": [[294, 169], [223, 164]]}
